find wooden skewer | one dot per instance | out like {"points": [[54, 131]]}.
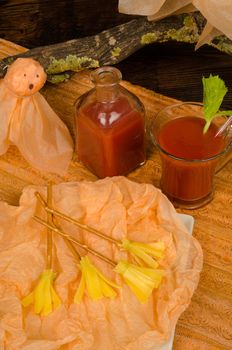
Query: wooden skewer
{"points": [[74, 240], [49, 230], [75, 222], [69, 245], [50, 221]]}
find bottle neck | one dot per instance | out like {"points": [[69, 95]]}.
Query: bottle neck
{"points": [[106, 80], [107, 93]]}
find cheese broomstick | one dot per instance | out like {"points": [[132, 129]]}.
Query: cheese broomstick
{"points": [[141, 280], [143, 253], [97, 285], [44, 296]]}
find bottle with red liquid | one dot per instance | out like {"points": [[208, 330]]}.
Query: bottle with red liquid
{"points": [[110, 126]]}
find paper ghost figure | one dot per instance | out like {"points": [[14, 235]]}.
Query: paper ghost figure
{"points": [[27, 120]]}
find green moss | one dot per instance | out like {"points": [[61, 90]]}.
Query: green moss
{"points": [[188, 33], [116, 51], [149, 38], [10, 60], [221, 44], [58, 78], [189, 22], [71, 62]]}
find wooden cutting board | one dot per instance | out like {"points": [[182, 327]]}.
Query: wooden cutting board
{"points": [[207, 323]]}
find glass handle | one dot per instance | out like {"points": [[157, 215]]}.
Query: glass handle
{"points": [[225, 158]]}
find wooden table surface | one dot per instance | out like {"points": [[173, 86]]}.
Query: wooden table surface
{"points": [[207, 323]]}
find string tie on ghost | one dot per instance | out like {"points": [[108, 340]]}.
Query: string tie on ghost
{"points": [[28, 121], [141, 280]]}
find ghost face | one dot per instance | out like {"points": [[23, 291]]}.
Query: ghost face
{"points": [[25, 77]]}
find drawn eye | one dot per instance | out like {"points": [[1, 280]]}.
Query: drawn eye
{"points": [[37, 75], [24, 74]]}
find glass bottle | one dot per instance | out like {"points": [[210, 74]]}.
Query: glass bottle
{"points": [[110, 126]]}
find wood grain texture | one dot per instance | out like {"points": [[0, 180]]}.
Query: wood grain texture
{"points": [[34, 23], [207, 323], [175, 70], [172, 69]]}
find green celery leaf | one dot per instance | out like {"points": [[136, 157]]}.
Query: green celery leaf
{"points": [[214, 90]]}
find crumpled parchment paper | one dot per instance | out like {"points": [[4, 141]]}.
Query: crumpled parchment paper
{"points": [[119, 208]]}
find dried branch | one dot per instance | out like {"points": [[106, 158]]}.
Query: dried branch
{"points": [[114, 45]]}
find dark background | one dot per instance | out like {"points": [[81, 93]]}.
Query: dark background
{"points": [[172, 69]]}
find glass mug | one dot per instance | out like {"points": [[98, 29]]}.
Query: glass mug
{"points": [[189, 181]]}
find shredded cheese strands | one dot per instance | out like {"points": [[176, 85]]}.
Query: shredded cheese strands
{"points": [[145, 252], [97, 285], [141, 280], [44, 297]]}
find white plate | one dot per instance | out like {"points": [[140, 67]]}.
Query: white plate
{"points": [[188, 221]]}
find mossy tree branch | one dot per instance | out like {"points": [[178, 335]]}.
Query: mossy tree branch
{"points": [[114, 45]]}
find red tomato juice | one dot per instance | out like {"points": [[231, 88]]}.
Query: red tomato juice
{"points": [[110, 137], [189, 178]]}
